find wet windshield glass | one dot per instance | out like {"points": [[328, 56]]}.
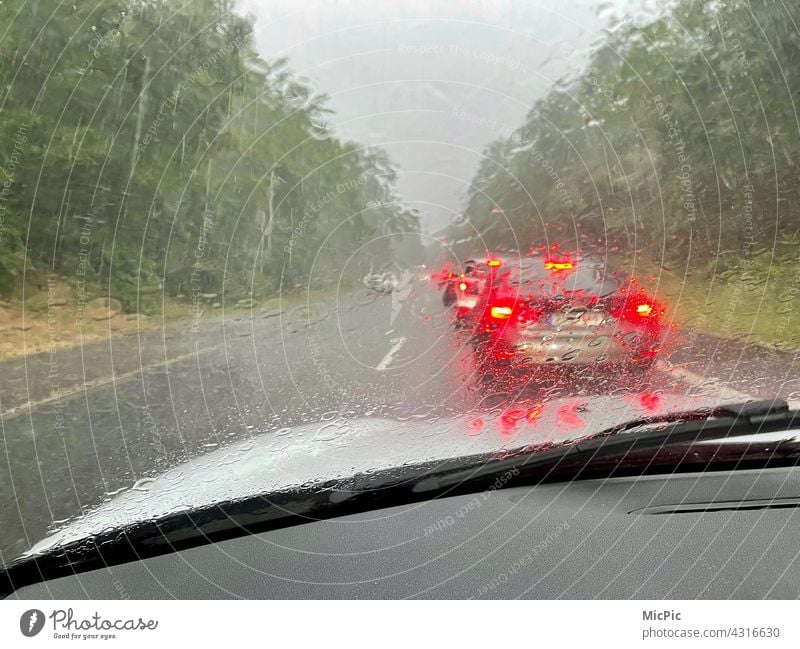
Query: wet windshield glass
{"points": [[250, 244]]}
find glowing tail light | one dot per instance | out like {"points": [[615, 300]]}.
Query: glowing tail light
{"points": [[638, 308], [558, 265], [500, 312], [462, 286], [494, 263]]}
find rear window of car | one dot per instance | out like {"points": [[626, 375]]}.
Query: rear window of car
{"points": [[532, 275]]}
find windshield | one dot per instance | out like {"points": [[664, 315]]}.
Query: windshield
{"points": [[255, 244]]}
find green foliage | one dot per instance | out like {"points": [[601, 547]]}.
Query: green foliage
{"points": [[152, 147], [12, 258], [678, 139]]}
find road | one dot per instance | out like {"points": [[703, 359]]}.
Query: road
{"points": [[81, 425]]}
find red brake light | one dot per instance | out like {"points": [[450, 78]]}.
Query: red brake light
{"points": [[638, 308], [558, 265], [494, 263], [500, 312], [462, 286]]}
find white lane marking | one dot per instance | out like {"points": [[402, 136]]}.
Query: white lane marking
{"points": [[71, 391], [398, 343], [696, 381], [400, 295]]}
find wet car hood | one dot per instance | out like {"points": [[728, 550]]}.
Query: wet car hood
{"points": [[328, 450]]}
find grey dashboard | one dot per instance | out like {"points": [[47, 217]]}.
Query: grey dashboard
{"points": [[713, 535]]}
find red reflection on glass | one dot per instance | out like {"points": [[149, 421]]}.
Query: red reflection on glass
{"points": [[535, 412], [650, 401], [567, 415], [509, 419], [476, 425]]}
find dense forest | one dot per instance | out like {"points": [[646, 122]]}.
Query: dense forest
{"points": [[679, 141], [147, 150]]}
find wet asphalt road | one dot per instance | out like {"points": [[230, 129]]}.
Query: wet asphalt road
{"points": [[161, 398]]}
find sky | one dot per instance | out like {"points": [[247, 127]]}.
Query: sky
{"points": [[432, 82]]}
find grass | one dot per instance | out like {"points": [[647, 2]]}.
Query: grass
{"points": [[754, 300], [46, 317]]}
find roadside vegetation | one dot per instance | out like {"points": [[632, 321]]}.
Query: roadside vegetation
{"points": [[676, 152], [149, 156]]}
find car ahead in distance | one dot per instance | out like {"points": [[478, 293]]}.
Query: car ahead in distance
{"points": [[384, 282], [563, 309], [462, 291]]}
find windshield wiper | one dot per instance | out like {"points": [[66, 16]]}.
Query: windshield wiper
{"points": [[728, 420], [217, 522], [751, 412]]}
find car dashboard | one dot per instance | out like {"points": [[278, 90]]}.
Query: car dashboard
{"points": [[715, 535]]}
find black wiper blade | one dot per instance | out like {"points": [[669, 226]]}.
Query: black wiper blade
{"points": [[221, 521], [368, 492], [728, 420], [753, 412]]}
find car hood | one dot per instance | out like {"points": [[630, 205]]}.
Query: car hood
{"points": [[280, 459]]}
